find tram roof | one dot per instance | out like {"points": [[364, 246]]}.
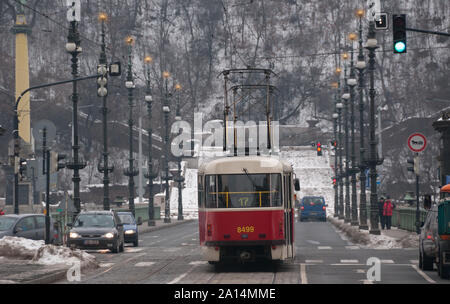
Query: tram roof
{"points": [[253, 164]]}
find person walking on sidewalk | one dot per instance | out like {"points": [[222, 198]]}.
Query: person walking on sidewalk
{"points": [[387, 212], [380, 212]]}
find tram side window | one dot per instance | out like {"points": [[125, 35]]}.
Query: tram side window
{"points": [[211, 191], [201, 203], [275, 186]]}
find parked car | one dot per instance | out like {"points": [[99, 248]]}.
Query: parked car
{"points": [[130, 227], [97, 230], [313, 207], [434, 247], [29, 226]]}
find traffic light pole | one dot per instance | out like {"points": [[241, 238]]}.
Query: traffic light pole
{"points": [[16, 131], [427, 32]]}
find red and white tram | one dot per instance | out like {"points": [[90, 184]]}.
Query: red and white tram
{"points": [[246, 209]]}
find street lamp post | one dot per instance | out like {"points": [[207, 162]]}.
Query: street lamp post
{"points": [[73, 48], [166, 110], [129, 84], [361, 65], [346, 97], [373, 160], [102, 92], [150, 174], [335, 184], [179, 179], [339, 106], [352, 83]]}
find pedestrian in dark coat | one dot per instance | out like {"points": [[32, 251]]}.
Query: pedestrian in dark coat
{"points": [[380, 212], [387, 212]]}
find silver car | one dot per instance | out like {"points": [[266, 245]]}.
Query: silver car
{"points": [[29, 226]]}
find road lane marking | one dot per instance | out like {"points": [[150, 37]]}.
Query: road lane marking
{"points": [[324, 247], [198, 263], [313, 261], [349, 261], [352, 247], [423, 274], [132, 250], [414, 261], [345, 264], [303, 277], [144, 264], [104, 265], [387, 262], [180, 277], [367, 281], [313, 242]]}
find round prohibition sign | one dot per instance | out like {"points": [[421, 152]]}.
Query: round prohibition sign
{"points": [[417, 142]]}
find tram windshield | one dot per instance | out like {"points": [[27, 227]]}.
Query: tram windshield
{"points": [[243, 190]]}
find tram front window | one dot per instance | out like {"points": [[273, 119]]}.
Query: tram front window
{"points": [[246, 191]]}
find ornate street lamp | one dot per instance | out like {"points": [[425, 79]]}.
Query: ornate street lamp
{"points": [[352, 83], [103, 92], [166, 111], [339, 107], [129, 84], [179, 179], [346, 97], [150, 174], [361, 66], [373, 160], [73, 48]]}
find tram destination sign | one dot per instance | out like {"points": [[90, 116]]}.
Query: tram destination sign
{"points": [[417, 142]]}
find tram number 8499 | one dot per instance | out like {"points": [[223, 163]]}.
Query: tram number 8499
{"points": [[245, 229]]}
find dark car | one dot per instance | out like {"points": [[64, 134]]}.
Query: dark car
{"points": [[97, 230], [313, 207], [130, 227], [29, 226], [434, 248]]}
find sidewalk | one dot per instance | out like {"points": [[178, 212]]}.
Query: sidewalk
{"points": [[393, 238], [24, 272], [159, 224]]}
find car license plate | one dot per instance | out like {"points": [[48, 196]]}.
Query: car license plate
{"points": [[313, 213], [91, 242]]}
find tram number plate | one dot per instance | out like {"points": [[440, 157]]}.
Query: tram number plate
{"points": [[243, 229]]}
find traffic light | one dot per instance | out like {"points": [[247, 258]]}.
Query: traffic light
{"points": [[381, 21], [399, 33], [22, 167], [334, 180], [102, 81], [414, 165], [319, 149], [55, 163]]}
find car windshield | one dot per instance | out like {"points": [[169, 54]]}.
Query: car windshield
{"points": [[127, 219], [313, 201], [6, 223], [94, 220], [243, 190]]}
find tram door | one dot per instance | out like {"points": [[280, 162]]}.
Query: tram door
{"points": [[288, 223]]}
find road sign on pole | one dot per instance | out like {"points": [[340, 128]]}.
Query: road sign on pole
{"points": [[417, 142]]}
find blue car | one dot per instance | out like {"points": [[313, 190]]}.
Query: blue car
{"points": [[130, 227], [313, 207]]}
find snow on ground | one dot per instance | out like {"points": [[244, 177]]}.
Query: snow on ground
{"points": [[314, 172], [39, 253]]}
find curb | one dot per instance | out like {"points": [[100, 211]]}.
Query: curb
{"points": [[48, 279], [155, 228], [353, 233]]}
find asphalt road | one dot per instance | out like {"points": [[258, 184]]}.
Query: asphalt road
{"points": [[172, 256]]}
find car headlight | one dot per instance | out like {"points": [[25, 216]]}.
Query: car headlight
{"points": [[130, 232], [109, 235], [74, 235]]}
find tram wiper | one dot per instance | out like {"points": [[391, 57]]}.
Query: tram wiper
{"points": [[249, 177]]}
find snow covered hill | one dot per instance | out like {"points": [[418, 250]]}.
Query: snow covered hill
{"points": [[314, 172]]}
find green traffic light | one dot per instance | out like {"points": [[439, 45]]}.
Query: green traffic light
{"points": [[400, 47]]}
